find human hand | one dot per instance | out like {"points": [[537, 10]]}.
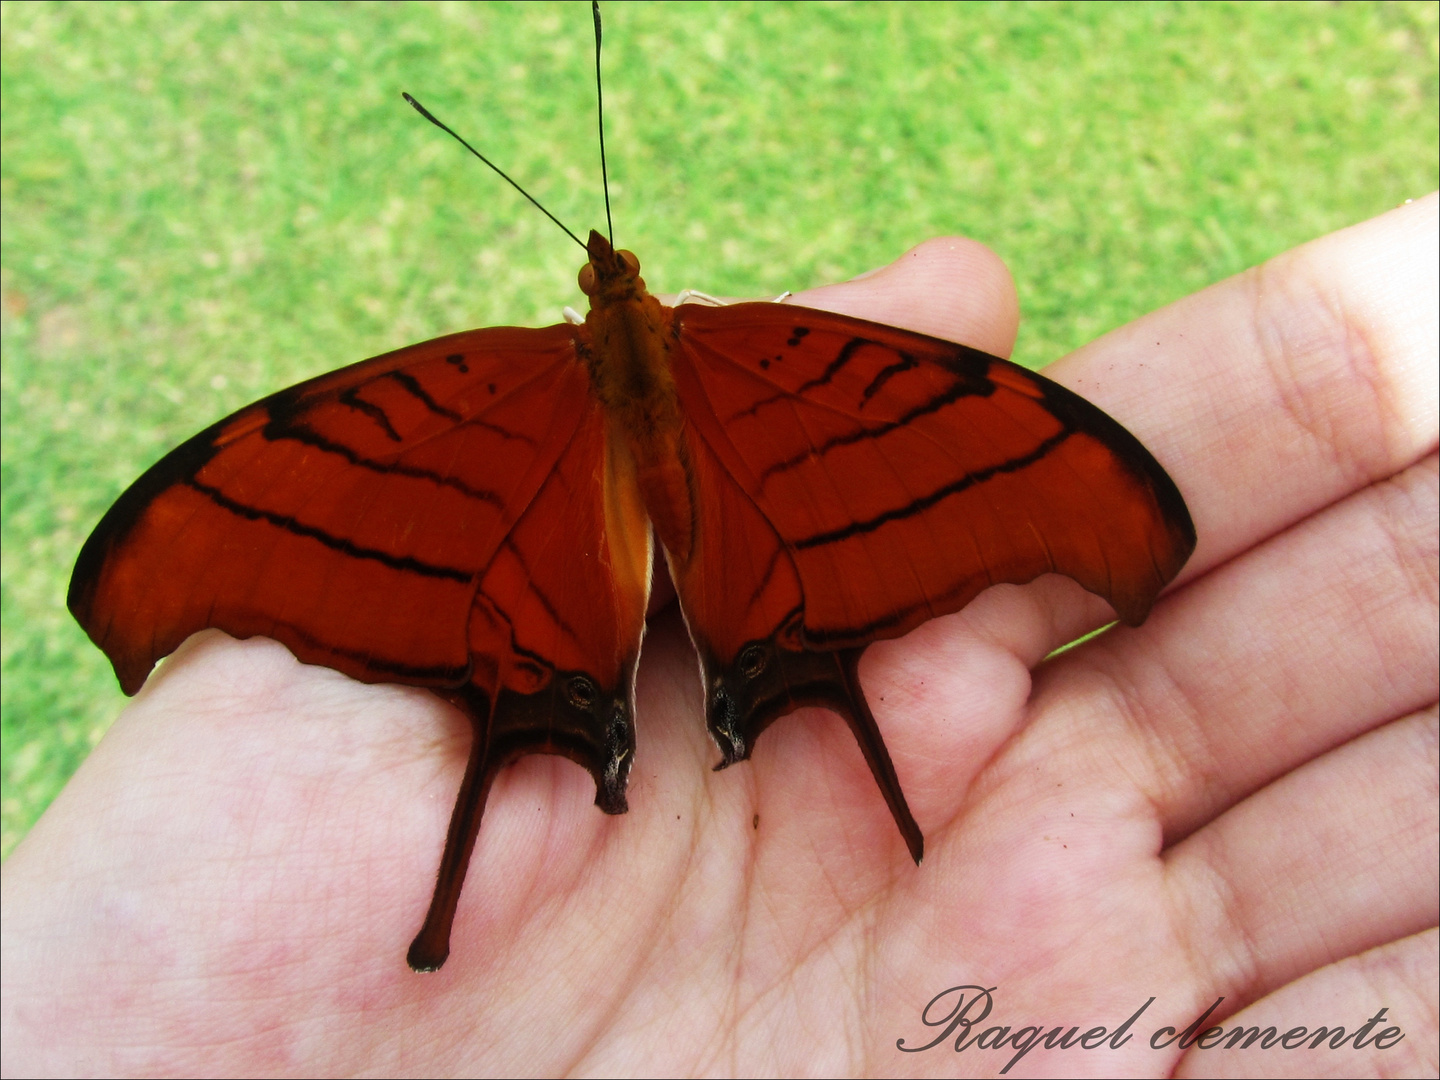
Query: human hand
{"points": [[1236, 799]]}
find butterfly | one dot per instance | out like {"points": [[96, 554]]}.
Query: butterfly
{"points": [[478, 515]]}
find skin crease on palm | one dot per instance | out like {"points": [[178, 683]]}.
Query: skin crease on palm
{"points": [[1236, 799]]}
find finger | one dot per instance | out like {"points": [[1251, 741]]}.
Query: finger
{"points": [[1280, 390], [1372, 1014], [950, 287], [1333, 859], [1306, 641]]}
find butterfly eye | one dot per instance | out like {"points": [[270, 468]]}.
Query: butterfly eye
{"points": [[581, 692], [587, 279], [631, 262], [752, 661]]}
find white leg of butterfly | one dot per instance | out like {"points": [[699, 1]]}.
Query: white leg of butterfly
{"points": [[573, 317], [685, 296]]}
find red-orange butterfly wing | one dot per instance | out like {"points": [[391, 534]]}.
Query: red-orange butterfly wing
{"points": [[346, 517], [449, 515], [858, 479], [904, 474]]}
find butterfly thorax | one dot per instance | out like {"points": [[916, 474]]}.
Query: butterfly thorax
{"points": [[627, 334]]}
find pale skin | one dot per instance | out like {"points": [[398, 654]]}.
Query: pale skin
{"points": [[1237, 799]]}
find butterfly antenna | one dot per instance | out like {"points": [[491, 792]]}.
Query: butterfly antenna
{"points": [[428, 115], [600, 113]]}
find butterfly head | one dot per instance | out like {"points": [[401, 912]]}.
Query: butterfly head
{"points": [[609, 275]]}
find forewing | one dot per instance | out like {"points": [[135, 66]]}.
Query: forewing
{"points": [[905, 474], [348, 517]]}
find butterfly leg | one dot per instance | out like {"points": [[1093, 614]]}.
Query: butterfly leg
{"points": [[767, 681], [687, 296]]}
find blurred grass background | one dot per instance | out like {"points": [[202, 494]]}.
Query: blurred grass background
{"points": [[203, 203]]}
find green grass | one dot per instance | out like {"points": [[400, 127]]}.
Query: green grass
{"points": [[205, 203]]}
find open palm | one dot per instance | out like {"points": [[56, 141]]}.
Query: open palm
{"points": [[1236, 800]]}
